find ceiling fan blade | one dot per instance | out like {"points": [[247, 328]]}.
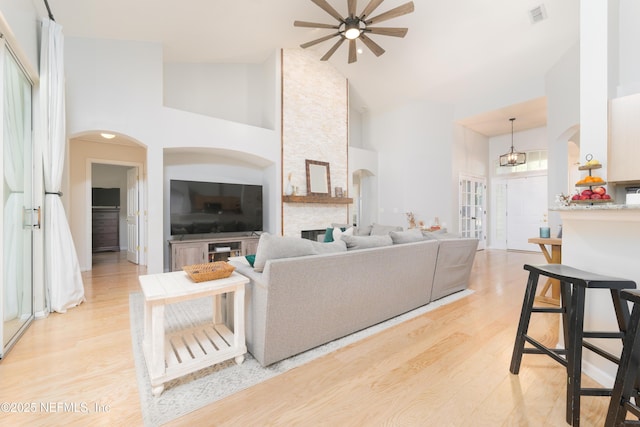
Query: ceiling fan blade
{"points": [[333, 49], [395, 32], [353, 54], [375, 47], [393, 13], [314, 25], [328, 8], [351, 6], [373, 4], [316, 41]]}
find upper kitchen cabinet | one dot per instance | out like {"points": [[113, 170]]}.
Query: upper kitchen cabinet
{"points": [[624, 139]]}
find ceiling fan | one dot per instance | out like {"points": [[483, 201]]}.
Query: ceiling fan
{"points": [[356, 27]]}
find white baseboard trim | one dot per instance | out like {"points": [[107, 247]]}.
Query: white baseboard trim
{"points": [[41, 314]]}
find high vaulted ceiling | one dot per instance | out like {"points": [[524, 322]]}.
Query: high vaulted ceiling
{"points": [[454, 50]]}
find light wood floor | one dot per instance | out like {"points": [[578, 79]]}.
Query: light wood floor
{"points": [[449, 367]]}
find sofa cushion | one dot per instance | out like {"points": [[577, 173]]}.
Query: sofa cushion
{"points": [[364, 242], [409, 236], [448, 236], [379, 230], [363, 231], [440, 235], [275, 247], [331, 247]]}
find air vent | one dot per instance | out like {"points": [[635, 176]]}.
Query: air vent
{"points": [[538, 14]]}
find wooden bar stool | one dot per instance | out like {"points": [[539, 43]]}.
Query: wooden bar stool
{"points": [[573, 286], [628, 378]]}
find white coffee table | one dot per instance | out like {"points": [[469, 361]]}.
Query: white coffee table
{"points": [[173, 355]]}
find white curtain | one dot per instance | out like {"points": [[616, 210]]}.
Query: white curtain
{"points": [[16, 130], [62, 270]]}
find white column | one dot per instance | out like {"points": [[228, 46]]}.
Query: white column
{"points": [[156, 242], [594, 80]]}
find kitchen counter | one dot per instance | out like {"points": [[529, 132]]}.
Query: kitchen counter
{"points": [[603, 239], [596, 207]]}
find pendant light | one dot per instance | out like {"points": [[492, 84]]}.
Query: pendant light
{"points": [[513, 158]]}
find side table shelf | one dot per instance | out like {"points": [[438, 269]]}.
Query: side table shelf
{"points": [[170, 355]]}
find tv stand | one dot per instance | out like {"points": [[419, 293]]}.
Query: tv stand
{"points": [[203, 250]]}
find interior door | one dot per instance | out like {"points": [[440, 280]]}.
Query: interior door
{"points": [[526, 208], [133, 216], [473, 208], [16, 299]]}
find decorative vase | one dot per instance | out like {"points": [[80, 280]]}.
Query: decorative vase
{"points": [[288, 190], [545, 232]]}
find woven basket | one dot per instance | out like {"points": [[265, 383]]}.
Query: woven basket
{"points": [[209, 271]]}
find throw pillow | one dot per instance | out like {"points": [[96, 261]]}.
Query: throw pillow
{"points": [[409, 236], [275, 247], [251, 259], [338, 232], [364, 242], [379, 230], [328, 235]]}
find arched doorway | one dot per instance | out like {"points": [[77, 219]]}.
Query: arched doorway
{"points": [[363, 192], [115, 156]]}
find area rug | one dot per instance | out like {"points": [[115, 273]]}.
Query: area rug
{"points": [[191, 392]]}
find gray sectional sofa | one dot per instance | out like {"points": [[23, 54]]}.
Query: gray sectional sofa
{"points": [[300, 302]]}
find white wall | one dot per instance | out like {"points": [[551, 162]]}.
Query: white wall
{"points": [[629, 70], [235, 92], [21, 28], [414, 144], [563, 121], [117, 86]]}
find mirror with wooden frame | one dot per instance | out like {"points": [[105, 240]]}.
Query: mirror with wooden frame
{"points": [[318, 178]]}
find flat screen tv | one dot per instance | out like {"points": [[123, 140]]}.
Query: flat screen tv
{"points": [[197, 207], [105, 197]]}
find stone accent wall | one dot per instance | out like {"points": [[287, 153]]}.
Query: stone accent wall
{"points": [[314, 127]]}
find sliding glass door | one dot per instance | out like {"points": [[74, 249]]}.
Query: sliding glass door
{"points": [[17, 209]]}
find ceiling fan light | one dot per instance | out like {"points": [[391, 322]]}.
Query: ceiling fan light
{"points": [[352, 32]]}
